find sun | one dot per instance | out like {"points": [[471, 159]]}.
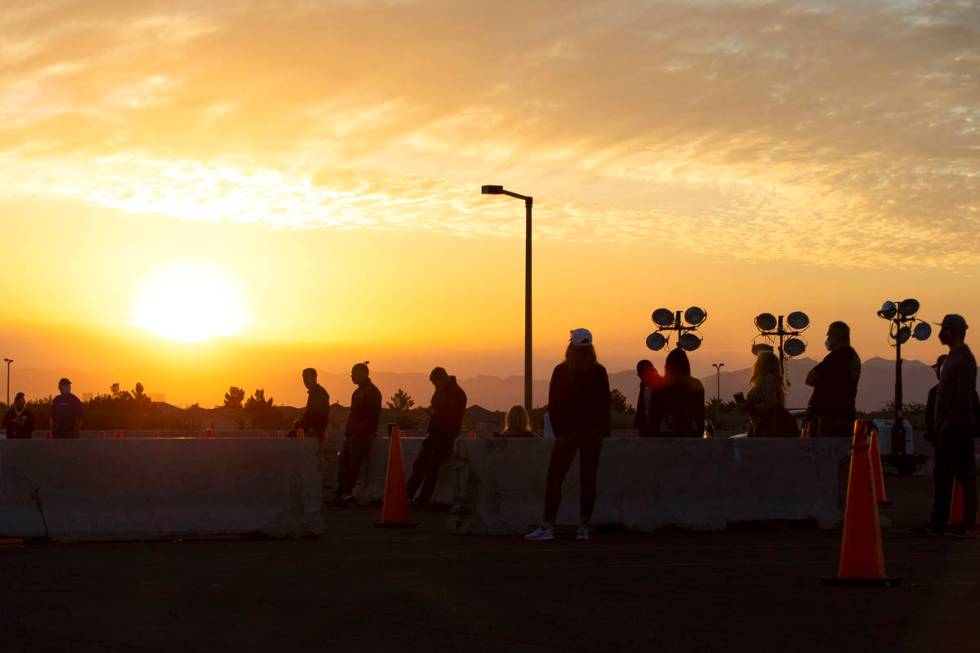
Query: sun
{"points": [[190, 302]]}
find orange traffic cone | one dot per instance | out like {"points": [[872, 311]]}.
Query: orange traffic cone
{"points": [[299, 433], [862, 558], [395, 512], [472, 435], [956, 505], [876, 467]]}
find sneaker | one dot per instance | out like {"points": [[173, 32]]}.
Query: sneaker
{"points": [[583, 533], [928, 529], [540, 534]]}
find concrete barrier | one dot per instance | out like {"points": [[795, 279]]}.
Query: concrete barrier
{"points": [[370, 487], [649, 484], [74, 490]]}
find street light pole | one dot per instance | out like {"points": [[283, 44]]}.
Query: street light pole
{"points": [[528, 204], [718, 367], [8, 361]]}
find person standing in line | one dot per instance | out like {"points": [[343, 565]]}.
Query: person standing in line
{"points": [[359, 432], [66, 413], [834, 380], [445, 421], [579, 405], [314, 421], [647, 418], [19, 422], [765, 402], [517, 424], [954, 428], [680, 400]]}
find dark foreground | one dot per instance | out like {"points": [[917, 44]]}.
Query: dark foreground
{"points": [[365, 589]]}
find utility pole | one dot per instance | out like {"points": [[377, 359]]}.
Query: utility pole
{"points": [[8, 361]]}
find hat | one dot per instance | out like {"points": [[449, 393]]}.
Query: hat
{"points": [[581, 338], [953, 321], [64, 381]]}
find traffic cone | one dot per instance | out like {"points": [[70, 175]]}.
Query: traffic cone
{"points": [[876, 467], [472, 435], [299, 433], [395, 512], [862, 558]]}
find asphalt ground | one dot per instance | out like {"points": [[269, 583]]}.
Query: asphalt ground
{"points": [[359, 588]]}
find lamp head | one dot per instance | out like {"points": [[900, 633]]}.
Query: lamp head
{"points": [[491, 190]]}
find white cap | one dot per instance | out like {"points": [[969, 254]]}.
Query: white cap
{"points": [[581, 338]]}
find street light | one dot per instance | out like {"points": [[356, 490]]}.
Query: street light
{"points": [[8, 361], [528, 202], [787, 330], [903, 324], [718, 367]]}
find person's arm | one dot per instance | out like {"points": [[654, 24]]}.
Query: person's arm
{"points": [[813, 376], [78, 416], [354, 420], [604, 405], [699, 414], [556, 402]]}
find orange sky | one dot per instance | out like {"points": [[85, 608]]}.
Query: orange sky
{"points": [[323, 162]]}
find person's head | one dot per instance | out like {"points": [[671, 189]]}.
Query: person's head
{"points": [[20, 401], [765, 363], [937, 367], [647, 372], [838, 336], [580, 352], [64, 386], [952, 330], [439, 376], [309, 377], [517, 420], [360, 374], [677, 364]]}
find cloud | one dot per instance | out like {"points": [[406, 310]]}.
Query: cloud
{"points": [[821, 133]]}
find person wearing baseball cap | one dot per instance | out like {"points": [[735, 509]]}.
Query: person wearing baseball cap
{"points": [[66, 412], [578, 405], [954, 427]]}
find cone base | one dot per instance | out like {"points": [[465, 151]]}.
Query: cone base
{"points": [[392, 525], [863, 582]]}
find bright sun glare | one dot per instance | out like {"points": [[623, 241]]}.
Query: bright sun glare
{"points": [[190, 302]]}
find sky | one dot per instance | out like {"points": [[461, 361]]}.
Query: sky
{"points": [[293, 183]]}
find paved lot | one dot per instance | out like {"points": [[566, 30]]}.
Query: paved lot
{"points": [[365, 589]]}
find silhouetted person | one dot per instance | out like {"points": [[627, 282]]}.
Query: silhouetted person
{"points": [[314, 421], [66, 412], [517, 424], [19, 422], [955, 426], [931, 402], [578, 403], [680, 401], [647, 417], [445, 421], [765, 402], [834, 380], [359, 432]]}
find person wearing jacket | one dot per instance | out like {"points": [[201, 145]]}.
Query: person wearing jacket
{"points": [[647, 419], [834, 380], [359, 432], [19, 422], [680, 399], [954, 429], [314, 421], [445, 420], [578, 403]]}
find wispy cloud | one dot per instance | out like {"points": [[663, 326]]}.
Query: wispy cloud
{"points": [[826, 134]]}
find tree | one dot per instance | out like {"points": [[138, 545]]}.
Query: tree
{"points": [[618, 402], [401, 401], [234, 397], [264, 414]]}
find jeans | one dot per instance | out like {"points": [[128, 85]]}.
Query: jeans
{"points": [[588, 446], [425, 470], [352, 456], [955, 461]]}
